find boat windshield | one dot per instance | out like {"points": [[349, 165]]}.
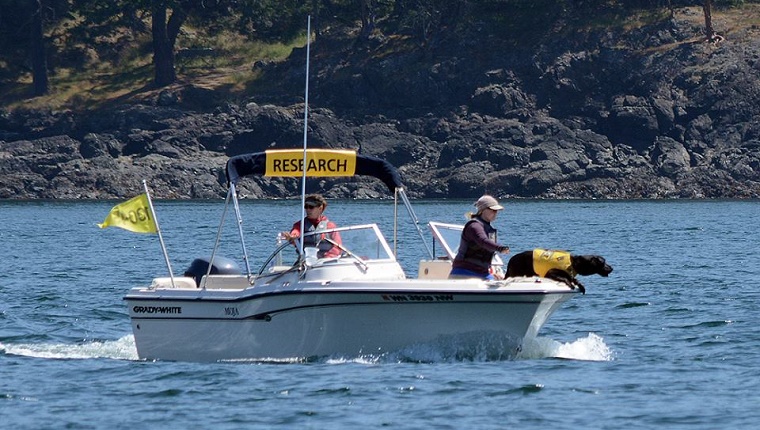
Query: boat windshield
{"points": [[358, 243], [446, 241]]}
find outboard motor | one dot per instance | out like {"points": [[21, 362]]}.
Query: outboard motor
{"points": [[221, 266]]}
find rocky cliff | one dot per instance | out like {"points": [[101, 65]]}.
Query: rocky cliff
{"points": [[652, 112]]}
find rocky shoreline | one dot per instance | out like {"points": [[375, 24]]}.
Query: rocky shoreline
{"points": [[651, 113]]}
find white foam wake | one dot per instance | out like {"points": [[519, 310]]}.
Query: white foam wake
{"points": [[121, 349], [493, 348], [589, 348]]}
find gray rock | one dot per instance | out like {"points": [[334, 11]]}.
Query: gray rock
{"points": [[597, 114]]}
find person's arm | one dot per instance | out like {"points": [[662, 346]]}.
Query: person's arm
{"points": [[294, 233], [474, 232], [335, 237]]}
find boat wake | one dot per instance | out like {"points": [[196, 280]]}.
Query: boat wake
{"points": [[589, 348], [121, 349]]}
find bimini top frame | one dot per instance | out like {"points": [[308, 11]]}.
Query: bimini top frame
{"points": [[319, 163]]}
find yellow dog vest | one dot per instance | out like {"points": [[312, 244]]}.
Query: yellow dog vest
{"points": [[545, 260]]}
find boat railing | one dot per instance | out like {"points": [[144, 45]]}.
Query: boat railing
{"points": [[350, 162]]}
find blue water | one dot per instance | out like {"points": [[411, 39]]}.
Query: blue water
{"points": [[669, 340]]}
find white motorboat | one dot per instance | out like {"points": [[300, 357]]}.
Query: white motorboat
{"points": [[361, 303]]}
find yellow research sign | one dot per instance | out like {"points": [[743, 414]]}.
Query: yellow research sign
{"points": [[319, 162]]}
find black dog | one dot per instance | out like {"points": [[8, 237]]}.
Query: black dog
{"points": [[557, 265]]}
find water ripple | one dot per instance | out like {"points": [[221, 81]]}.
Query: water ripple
{"points": [[633, 305], [667, 341]]}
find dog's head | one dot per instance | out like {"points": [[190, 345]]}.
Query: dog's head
{"points": [[591, 265]]}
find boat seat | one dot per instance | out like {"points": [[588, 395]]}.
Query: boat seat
{"points": [[180, 282], [434, 269], [232, 282]]}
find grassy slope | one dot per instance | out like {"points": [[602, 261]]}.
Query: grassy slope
{"points": [[233, 77], [130, 78]]}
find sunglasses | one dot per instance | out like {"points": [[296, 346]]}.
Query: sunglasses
{"points": [[310, 206]]}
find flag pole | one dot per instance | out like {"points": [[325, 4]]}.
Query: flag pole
{"points": [[158, 230]]}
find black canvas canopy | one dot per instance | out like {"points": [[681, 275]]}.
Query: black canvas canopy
{"points": [[255, 164]]}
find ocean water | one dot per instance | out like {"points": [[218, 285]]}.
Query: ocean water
{"points": [[669, 340]]}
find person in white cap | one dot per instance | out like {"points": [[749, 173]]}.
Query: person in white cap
{"points": [[478, 243]]}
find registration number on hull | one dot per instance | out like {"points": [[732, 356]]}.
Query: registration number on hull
{"points": [[418, 297]]}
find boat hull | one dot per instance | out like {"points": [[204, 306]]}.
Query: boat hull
{"points": [[340, 321]]}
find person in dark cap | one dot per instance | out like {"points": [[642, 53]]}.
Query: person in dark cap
{"points": [[478, 243], [315, 220]]}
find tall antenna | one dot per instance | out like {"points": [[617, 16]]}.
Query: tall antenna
{"points": [[305, 128]]}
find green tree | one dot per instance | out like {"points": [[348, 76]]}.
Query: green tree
{"points": [[166, 20], [368, 13], [164, 34], [40, 82], [278, 20], [23, 40]]}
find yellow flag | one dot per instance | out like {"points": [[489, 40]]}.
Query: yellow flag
{"points": [[133, 215]]}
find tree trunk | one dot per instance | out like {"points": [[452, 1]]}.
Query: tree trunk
{"points": [[709, 30], [367, 8], [163, 47], [37, 52], [179, 15], [315, 22]]}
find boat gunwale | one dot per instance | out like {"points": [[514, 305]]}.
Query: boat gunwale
{"points": [[231, 296]]}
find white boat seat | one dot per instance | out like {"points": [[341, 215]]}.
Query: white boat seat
{"points": [[434, 269], [232, 282], [180, 282]]}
